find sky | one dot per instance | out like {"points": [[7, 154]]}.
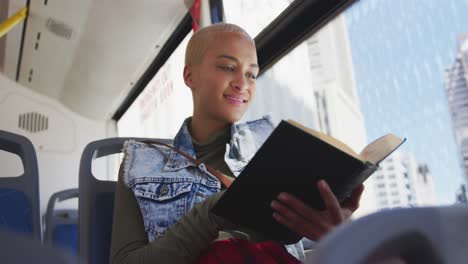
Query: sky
{"points": [[400, 50]]}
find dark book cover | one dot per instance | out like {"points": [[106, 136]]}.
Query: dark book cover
{"points": [[291, 160]]}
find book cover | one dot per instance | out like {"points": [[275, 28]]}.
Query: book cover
{"points": [[291, 160]]}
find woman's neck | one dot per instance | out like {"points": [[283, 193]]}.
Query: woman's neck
{"points": [[203, 129]]}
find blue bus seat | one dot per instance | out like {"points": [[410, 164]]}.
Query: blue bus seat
{"points": [[427, 235], [19, 196], [17, 248], [61, 229], [96, 202]]}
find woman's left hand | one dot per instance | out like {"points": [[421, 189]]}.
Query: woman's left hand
{"points": [[312, 223]]}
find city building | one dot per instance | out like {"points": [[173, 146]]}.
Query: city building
{"points": [[402, 182], [338, 111], [456, 87], [461, 196]]}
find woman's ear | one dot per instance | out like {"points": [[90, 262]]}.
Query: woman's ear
{"points": [[188, 74]]}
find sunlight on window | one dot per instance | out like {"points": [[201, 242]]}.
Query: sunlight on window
{"points": [[253, 16], [382, 66]]}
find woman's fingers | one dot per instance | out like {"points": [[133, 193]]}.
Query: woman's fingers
{"points": [[293, 204], [294, 221], [309, 222], [332, 204], [353, 202]]}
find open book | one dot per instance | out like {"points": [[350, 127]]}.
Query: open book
{"points": [[292, 160]]}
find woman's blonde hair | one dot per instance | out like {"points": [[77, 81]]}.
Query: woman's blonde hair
{"points": [[198, 43]]}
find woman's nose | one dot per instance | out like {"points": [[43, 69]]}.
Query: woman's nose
{"points": [[240, 84]]}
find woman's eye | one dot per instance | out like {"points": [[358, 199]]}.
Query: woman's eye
{"points": [[227, 68], [251, 76]]}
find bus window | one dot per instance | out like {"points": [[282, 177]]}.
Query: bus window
{"points": [[240, 12], [164, 103], [379, 67], [407, 60]]}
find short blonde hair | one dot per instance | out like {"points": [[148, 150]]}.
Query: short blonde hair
{"points": [[198, 43]]}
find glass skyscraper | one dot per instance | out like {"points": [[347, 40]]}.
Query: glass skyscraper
{"points": [[456, 86]]}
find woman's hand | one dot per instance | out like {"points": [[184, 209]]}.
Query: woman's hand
{"points": [[309, 222]]}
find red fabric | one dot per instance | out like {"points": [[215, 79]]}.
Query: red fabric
{"points": [[235, 251], [195, 13]]}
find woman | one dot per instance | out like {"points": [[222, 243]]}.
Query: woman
{"points": [[163, 200]]}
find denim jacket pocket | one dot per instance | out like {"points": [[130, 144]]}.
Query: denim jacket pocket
{"points": [[162, 204], [203, 191]]}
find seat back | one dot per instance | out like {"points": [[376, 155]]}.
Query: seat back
{"points": [[429, 235], [62, 224], [96, 202], [16, 248], [19, 196]]}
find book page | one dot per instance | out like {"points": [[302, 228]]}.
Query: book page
{"points": [[328, 139], [380, 148]]}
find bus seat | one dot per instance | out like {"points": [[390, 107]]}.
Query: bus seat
{"points": [[17, 248], [96, 202], [62, 224], [19, 196], [415, 235]]}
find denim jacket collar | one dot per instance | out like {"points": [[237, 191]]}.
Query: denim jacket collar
{"points": [[183, 142], [243, 144]]}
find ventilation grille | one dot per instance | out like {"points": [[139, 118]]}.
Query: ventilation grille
{"points": [[33, 122], [59, 28]]}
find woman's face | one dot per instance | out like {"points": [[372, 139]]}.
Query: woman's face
{"points": [[223, 83]]}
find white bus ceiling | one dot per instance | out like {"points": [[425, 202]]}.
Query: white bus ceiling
{"points": [[89, 59]]}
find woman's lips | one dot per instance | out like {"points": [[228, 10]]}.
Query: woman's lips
{"points": [[235, 100]]}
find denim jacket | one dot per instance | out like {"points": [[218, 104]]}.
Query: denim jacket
{"points": [[167, 185]]}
